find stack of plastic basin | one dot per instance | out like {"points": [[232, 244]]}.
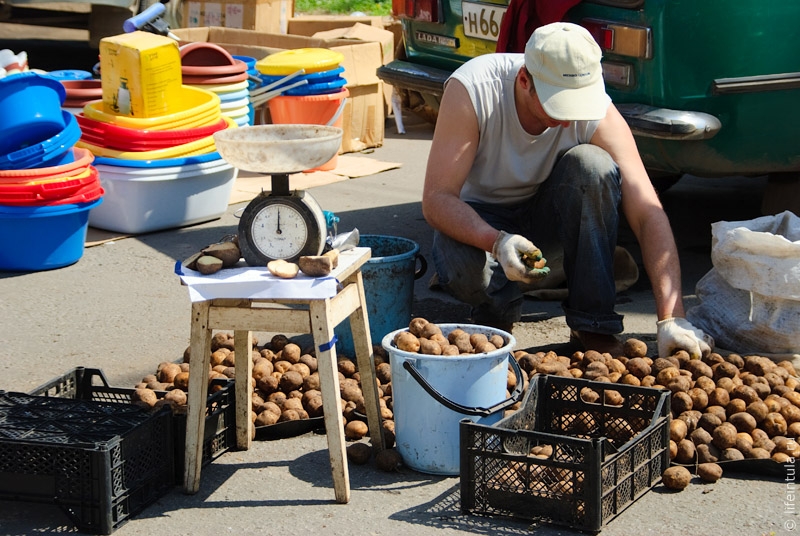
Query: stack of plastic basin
{"points": [[310, 85], [47, 185], [159, 172], [209, 66]]}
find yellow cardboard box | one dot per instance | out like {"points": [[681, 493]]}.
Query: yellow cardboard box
{"points": [[141, 74], [364, 113], [261, 15]]}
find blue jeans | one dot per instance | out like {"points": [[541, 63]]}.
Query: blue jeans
{"points": [[575, 210]]}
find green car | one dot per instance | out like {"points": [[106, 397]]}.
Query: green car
{"points": [[709, 88]]}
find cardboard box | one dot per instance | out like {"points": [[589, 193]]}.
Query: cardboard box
{"points": [[141, 74], [364, 32], [308, 25], [364, 113], [261, 15]]}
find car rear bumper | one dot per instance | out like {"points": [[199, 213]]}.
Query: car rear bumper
{"points": [[406, 75]]}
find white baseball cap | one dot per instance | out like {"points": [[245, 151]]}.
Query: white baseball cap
{"points": [[564, 61]]}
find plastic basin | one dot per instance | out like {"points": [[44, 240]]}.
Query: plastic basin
{"points": [[81, 159], [43, 237], [30, 110], [198, 107], [129, 139], [53, 151], [158, 202]]}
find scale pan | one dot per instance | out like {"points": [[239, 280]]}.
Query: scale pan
{"points": [[278, 149]]}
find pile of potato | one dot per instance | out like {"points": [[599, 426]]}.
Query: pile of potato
{"points": [[285, 387], [724, 408]]}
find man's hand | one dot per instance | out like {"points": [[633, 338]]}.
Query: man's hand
{"points": [[679, 334], [517, 255]]}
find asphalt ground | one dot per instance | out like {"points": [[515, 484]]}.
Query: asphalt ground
{"points": [[121, 309]]}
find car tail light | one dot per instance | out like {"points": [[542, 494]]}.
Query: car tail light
{"points": [[424, 10], [621, 39]]}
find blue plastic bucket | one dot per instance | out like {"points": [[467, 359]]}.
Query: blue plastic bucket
{"points": [[432, 394], [43, 237], [389, 277]]}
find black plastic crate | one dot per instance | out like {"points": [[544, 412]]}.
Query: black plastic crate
{"points": [[220, 428], [100, 462], [604, 456]]}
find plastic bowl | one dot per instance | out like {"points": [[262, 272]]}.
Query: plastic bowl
{"points": [[214, 70], [30, 110], [195, 103], [287, 62], [205, 53], [81, 159], [59, 192], [163, 162], [196, 147], [83, 89], [202, 80], [50, 152], [25, 181], [128, 139]]}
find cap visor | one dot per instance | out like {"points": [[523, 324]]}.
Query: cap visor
{"points": [[584, 104]]}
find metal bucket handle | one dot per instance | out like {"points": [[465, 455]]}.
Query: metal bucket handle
{"points": [[423, 266], [466, 410]]}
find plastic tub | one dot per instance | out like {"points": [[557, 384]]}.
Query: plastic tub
{"points": [[201, 146], [198, 107], [164, 162], [53, 151], [214, 70], [172, 172], [81, 159], [124, 138], [156, 203], [48, 191], [311, 110], [286, 62], [30, 110], [44, 237], [426, 429]]}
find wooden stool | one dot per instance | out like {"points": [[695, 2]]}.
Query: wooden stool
{"points": [[295, 315]]}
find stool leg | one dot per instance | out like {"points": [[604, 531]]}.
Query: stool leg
{"points": [[243, 346], [362, 341], [322, 331], [199, 362]]}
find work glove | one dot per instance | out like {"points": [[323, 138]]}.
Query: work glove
{"points": [[517, 256], [679, 334]]}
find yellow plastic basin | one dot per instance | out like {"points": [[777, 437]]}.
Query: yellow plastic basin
{"points": [[198, 107], [286, 62]]}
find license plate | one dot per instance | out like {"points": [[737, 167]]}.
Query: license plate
{"points": [[482, 21]]}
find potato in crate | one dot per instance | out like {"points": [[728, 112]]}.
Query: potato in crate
{"points": [[576, 453]]}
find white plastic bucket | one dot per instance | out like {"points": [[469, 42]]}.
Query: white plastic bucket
{"points": [[432, 394]]}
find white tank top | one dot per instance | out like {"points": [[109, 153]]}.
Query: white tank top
{"points": [[510, 163]]}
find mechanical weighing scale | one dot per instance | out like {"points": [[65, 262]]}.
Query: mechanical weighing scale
{"points": [[280, 224]]}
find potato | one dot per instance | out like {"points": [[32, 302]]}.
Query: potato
{"points": [[686, 451], [731, 455], [634, 348], [388, 460], [724, 436], [774, 424], [146, 396], [707, 453], [677, 430], [176, 396], [266, 418], [676, 477], [743, 421], [709, 472], [416, 325], [429, 347], [407, 342], [207, 265], [355, 430], [283, 269], [315, 265], [359, 453]]}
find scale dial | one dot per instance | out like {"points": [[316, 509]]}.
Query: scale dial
{"points": [[281, 227]]}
